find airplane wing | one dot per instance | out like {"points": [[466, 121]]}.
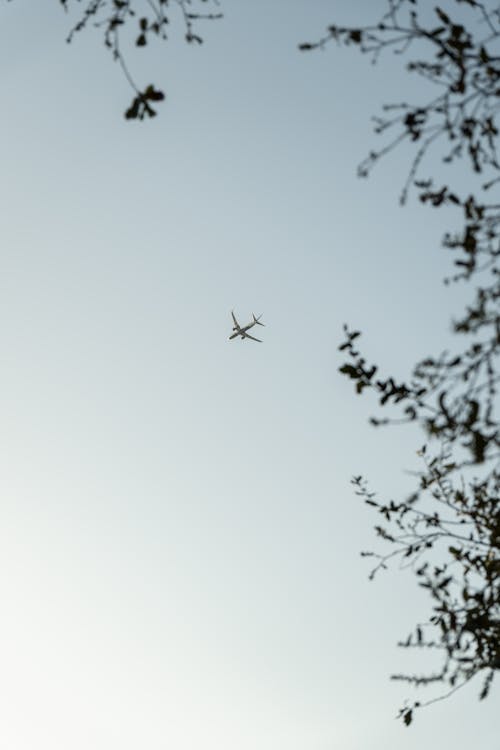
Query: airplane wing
{"points": [[234, 319], [247, 336]]}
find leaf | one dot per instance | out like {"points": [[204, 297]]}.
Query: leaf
{"points": [[140, 107], [190, 38], [133, 111], [442, 15], [350, 371], [153, 94]]}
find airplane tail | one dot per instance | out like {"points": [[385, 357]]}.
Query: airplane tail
{"points": [[257, 320]]}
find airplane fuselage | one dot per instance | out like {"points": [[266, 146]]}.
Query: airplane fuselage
{"points": [[241, 331]]}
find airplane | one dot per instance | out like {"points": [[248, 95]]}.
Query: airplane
{"points": [[243, 330]]}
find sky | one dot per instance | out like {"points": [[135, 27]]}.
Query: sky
{"points": [[179, 541]]}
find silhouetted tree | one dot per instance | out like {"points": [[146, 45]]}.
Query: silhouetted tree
{"points": [[448, 529], [136, 22]]}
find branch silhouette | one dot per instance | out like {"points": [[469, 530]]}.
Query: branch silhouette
{"points": [[145, 20], [448, 530]]}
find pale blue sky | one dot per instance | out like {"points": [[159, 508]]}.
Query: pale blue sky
{"points": [[179, 541]]}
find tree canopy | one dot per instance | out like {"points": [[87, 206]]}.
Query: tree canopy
{"points": [[448, 529], [126, 23]]}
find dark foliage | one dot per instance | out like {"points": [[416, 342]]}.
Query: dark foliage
{"points": [[448, 530], [147, 19]]}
